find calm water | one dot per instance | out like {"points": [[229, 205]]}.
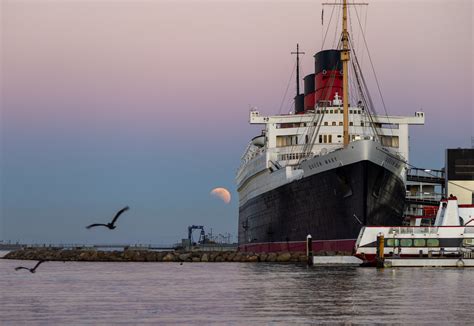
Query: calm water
{"points": [[230, 293]]}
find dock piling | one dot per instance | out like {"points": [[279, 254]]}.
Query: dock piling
{"points": [[309, 249]]}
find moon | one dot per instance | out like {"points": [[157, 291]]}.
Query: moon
{"points": [[222, 193]]}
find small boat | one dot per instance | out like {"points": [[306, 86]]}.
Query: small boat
{"points": [[449, 242]]}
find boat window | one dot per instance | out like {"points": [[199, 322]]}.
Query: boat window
{"points": [[351, 123], [331, 111], [406, 242], [330, 139], [393, 242], [334, 123], [350, 111], [320, 139], [419, 242], [468, 242], [326, 123], [325, 139], [340, 123], [362, 123], [432, 243]]}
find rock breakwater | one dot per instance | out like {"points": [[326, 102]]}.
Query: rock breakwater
{"points": [[155, 256]]}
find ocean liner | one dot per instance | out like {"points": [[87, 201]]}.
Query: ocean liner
{"points": [[326, 169]]}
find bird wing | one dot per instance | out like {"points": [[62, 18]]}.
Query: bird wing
{"points": [[21, 267], [39, 263], [126, 208], [96, 224]]}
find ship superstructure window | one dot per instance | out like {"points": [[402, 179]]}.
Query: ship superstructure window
{"points": [[419, 242], [468, 242], [341, 123], [390, 141], [325, 138], [325, 123], [334, 123], [393, 242], [320, 139], [282, 141], [406, 242], [432, 242], [351, 123], [329, 138]]}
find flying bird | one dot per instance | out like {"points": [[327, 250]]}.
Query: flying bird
{"points": [[110, 225], [32, 270]]}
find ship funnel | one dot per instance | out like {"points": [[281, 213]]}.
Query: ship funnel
{"points": [[328, 75], [309, 91], [299, 103]]}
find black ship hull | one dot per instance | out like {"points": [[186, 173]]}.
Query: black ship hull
{"points": [[332, 206]]}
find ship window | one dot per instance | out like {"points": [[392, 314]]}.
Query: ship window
{"points": [[339, 136], [282, 141], [350, 111], [390, 141], [419, 242], [325, 123], [362, 123], [393, 242], [334, 123], [351, 123], [468, 242], [406, 242], [340, 123], [306, 139], [330, 139], [331, 111], [320, 139], [325, 139], [432, 242]]}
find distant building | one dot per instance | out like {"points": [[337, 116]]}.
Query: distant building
{"points": [[460, 174]]}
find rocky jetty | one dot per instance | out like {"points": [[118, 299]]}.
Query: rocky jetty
{"points": [[156, 256]]}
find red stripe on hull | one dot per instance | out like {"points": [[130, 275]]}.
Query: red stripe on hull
{"points": [[318, 245]]}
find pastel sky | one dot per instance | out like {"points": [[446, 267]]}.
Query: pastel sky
{"points": [[145, 103]]}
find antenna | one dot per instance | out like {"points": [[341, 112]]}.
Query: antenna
{"points": [[297, 68]]}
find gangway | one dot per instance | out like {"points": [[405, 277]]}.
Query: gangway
{"points": [[426, 176]]}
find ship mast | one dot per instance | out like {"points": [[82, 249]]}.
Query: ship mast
{"points": [[297, 68], [345, 57]]}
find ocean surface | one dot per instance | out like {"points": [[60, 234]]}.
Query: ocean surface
{"points": [[76, 293]]}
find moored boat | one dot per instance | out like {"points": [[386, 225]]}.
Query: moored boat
{"points": [[451, 237]]}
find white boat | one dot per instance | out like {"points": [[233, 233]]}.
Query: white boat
{"points": [[449, 242]]}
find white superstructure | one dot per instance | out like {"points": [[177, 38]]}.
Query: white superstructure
{"points": [[291, 144]]}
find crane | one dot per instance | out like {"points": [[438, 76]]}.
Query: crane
{"points": [[202, 236]]}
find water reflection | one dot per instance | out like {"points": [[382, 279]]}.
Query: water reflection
{"points": [[201, 293]]}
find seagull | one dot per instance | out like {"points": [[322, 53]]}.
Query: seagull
{"points": [[32, 270], [110, 225]]}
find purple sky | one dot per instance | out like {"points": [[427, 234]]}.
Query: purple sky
{"points": [[145, 103]]}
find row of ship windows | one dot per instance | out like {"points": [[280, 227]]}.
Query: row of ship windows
{"points": [[327, 139], [412, 243], [293, 156], [291, 140], [303, 124], [421, 242], [338, 111]]}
